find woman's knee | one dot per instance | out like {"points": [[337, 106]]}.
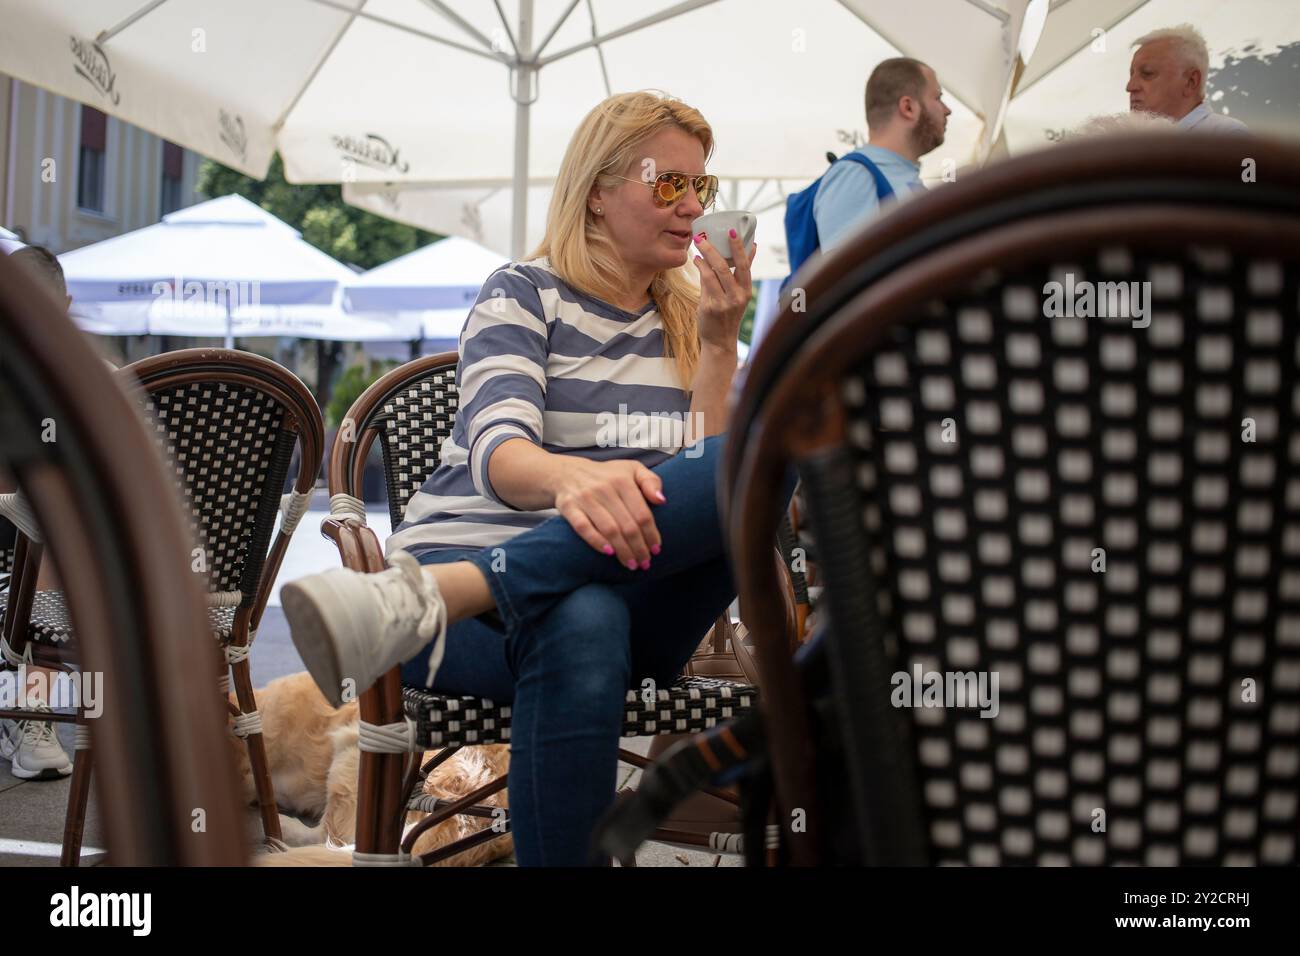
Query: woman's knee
{"points": [[585, 636]]}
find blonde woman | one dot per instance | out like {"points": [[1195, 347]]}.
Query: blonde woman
{"points": [[576, 497]]}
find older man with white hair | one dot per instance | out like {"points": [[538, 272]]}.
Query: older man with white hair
{"points": [[1167, 76]]}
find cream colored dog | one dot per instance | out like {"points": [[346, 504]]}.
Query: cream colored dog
{"points": [[311, 750]]}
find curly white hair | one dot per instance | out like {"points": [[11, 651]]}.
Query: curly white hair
{"points": [[1188, 44]]}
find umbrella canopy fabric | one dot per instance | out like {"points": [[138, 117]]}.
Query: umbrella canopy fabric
{"points": [[416, 91], [442, 275], [333, 322], [182, 275], [1078, 69]]}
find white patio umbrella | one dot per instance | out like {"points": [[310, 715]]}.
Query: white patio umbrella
{"points": [[207, 270], [332, 322], [432, 287], [416, 91], [1080, 67]]}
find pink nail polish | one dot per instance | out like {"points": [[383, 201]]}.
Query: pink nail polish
{"points": [[700, 237], [645, 565], [608, 549], [656, 549], [731, 233], [631, 564], [660, 496]]}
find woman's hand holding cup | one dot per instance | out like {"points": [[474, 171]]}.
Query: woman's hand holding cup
{"points": [[724, 294]]}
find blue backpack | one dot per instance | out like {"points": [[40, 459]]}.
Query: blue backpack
{"points": [[801, 238]]}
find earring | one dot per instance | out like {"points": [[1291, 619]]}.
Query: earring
{"points": [[600, 211]]}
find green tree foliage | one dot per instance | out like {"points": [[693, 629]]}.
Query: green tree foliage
{"points": [[318, 211], [354, 380]]}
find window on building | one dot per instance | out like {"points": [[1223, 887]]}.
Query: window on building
{"points": [[91, 159], [172, 166]]}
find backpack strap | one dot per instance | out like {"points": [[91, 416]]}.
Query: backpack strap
{"points": [[883, 189]]}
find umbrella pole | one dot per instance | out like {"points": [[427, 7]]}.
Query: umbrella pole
{"points": [[230, 324], [524, 71]]}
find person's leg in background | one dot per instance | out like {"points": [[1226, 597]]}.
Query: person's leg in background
{"points": [[33, 745]]}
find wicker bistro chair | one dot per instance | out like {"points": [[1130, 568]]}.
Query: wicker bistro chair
{"points": [[138, 612], [1106, 517], [227, 423], [411, 410]]}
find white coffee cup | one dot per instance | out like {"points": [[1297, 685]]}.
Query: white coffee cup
{"points": [[717, 228]]}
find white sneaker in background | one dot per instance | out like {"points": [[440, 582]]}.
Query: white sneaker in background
{"points": [[33, 747]]}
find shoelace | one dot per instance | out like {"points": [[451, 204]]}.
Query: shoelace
{"points": [[37, 732], [423, 600]]}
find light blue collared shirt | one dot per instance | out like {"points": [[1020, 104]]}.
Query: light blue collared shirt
{"points": [[847, 198], [1205, 120]]}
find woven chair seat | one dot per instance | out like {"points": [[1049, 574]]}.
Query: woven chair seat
{"points": [[52, 627], [690, 705]]}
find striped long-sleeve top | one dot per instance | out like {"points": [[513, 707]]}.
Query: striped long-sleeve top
{"points": [[542, 361]]}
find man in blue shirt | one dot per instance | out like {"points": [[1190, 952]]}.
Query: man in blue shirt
{"points": [[906, 118]]}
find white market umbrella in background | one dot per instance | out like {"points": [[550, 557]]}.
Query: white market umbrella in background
{"points": [[433, 287], [196, 271], [1080, 67], [332, 322], [416, 91]]}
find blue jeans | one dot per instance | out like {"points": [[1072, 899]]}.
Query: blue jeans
{"points": [[580, 631]]}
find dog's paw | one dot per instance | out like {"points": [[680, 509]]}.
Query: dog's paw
{"points": [[296, 833]]}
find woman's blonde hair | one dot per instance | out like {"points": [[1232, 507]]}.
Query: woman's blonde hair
{"points": [[604, 145]]}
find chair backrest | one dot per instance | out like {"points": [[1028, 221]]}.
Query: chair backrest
{"points": [[411, 410], [1094, 505], [227, 422]]}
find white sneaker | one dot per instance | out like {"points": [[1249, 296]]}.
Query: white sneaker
{"points": [[350, 626], [35, 748]]}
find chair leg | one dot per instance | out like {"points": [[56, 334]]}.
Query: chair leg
{"points": [[381, 811], [74, 823], [256, 744]]}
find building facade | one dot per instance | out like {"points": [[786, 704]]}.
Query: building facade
{"points": [[70, 176]]}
